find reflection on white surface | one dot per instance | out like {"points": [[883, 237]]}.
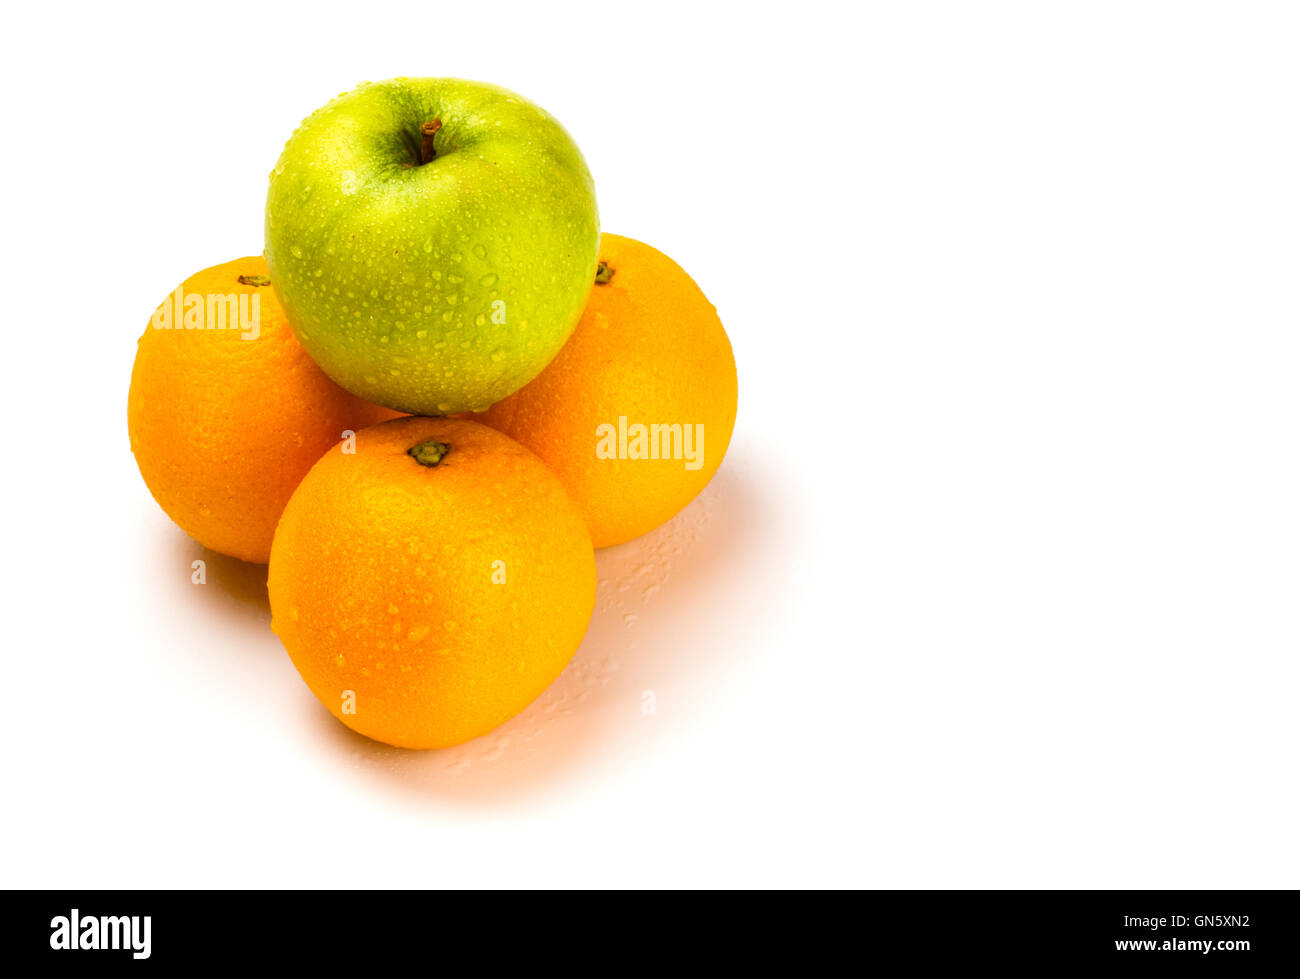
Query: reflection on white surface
{"points": [[603, 708]]}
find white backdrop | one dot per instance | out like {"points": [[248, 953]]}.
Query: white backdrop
{"points": [[996, 587]]}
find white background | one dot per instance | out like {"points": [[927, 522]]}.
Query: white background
{"points": [[997, 586]]}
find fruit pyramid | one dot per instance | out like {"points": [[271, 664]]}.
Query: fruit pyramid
{"points": [[432, 249]]}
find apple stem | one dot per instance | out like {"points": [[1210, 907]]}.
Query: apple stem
{"points": [[429, 453], [603, 273], [426, 139]]}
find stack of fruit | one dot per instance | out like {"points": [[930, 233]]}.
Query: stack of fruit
{"points": [[432, 250]]}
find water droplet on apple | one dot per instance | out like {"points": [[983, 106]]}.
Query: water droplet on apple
{"points": [[498, 354], [444, 406], [480, 251], [295, 251], [489, 280]]}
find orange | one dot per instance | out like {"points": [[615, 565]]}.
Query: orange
{"points": [[224, 427], [430, 586], [636, 411]]}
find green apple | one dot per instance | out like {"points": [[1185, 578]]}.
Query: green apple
{"points": [[433, 241]]}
